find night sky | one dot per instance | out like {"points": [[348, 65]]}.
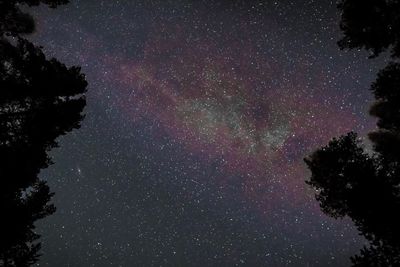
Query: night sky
{"points": [[199, 116]]}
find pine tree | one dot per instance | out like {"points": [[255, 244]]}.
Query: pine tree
{"points": [[40, 100]]}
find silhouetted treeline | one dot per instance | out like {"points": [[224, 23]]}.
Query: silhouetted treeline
{"points": [[349, 181], [40, 99], [371, 24]]}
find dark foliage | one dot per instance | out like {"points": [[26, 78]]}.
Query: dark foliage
{"points": [[40, 100], [352, 183], [349, 181], [13, 21], [371, 24]]}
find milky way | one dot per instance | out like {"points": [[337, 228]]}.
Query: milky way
{"points": [[199, 116], [223, 97]]}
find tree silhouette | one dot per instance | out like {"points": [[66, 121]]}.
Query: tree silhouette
{"points": [[40, 99], [371, 24], [13, 21], [349, 181]]}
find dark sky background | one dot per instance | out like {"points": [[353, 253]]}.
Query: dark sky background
{"points": [[199, 115]]}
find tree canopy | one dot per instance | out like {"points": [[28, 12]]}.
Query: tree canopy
{"points": [[13, 21], [371, 24], [40, 100], [349, 180]]}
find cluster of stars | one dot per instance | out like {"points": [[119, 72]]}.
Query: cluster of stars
{"points": [[199, 115]]}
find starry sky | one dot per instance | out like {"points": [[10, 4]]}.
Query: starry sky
{"points": [[199, 116]]}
